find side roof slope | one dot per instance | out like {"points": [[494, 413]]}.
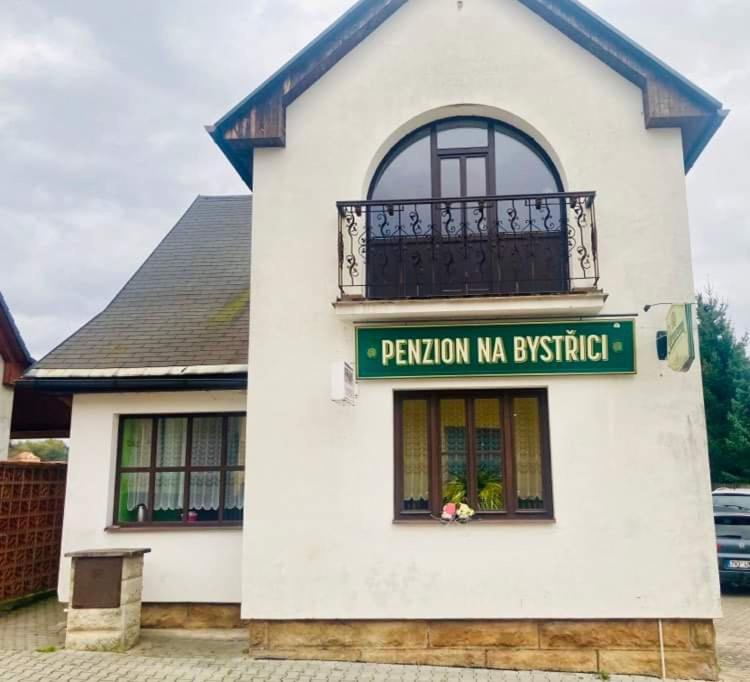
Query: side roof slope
{"points": [[185, 311]]}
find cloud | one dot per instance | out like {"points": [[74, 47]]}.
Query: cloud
{"points": [[102, 106], [35, 45]]}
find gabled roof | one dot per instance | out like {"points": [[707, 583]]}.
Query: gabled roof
{"points": [[12, 347], [670, 99], [184, 312]]}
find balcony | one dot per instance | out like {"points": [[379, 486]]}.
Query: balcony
{"points": [[495, 246]]}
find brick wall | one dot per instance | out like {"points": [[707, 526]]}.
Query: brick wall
{"points": [[32, 498]]}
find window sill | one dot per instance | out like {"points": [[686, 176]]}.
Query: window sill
{"points": [[479, 521], [574, 304], [153, 528]]}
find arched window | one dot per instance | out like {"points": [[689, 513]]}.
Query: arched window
{"points": [[466, 206], [465, 157]]}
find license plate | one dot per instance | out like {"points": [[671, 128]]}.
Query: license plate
{"points": [[738, 563]]}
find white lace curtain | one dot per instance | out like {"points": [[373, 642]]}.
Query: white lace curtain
{"points": [[171, 446], [136, 453], [234, 497], [205, 486], [137, 485]]}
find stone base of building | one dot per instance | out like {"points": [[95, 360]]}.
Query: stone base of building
{"points": [[627, 647], [190, 616]]}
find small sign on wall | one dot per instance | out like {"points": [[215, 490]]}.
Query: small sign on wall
{"points": [[680, 342], [343, 383]]}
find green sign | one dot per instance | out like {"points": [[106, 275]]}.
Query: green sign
{"points": [[680, 343], [496, 349]]}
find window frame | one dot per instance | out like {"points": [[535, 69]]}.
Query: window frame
{"points": [[436, 153], [506, 396], [187, 469]]}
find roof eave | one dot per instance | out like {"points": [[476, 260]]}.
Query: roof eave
{"points": [[689, 86], [10, 332], [278, 75], [234, 156], [692, 154], [72, 385], [259, 119]]}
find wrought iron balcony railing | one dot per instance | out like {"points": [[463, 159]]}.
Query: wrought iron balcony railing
{"points": [[472, 246]]}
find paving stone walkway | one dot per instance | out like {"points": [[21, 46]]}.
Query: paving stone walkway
{"points": [[39, 625], [733, 637], [31, 639], [73, 666]]}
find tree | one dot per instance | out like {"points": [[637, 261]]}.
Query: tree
{"points": [[49, 450], [726, 388], [737, 442]]}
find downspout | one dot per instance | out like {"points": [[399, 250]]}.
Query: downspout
{"points": [[661, 652]]}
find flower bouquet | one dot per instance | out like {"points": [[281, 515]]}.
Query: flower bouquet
{"points": [[457, 513]]}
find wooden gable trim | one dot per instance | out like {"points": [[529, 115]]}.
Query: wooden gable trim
{"points": [[669, 99], [12, 372], [12, 349], [14, 356], [260, 119]]}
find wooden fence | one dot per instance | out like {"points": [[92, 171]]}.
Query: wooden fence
{"points": [[32, 498]]}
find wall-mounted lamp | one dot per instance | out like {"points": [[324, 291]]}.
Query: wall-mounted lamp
{"points": [[648, 307], [662, 349]]}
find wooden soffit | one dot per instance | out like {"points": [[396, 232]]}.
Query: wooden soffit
{"points": [[12, 349], [670, 100]]}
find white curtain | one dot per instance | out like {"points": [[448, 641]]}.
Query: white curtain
{"points": [[171, 442], [168, 489], [205, 490], [205, 486], [137, 485], [234, 497], [136, 452], [137, 443], [236, 444], [206, 445], [170, 452]]}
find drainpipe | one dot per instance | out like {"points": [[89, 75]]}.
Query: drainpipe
{"points": [[661, 652]]}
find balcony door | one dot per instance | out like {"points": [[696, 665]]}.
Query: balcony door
{"points": [[458, 208], [464, 255]]}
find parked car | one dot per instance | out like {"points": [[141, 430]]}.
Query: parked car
{"points": [[732, 522]]}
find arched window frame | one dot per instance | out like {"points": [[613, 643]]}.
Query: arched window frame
{"points": [[493, 126]]}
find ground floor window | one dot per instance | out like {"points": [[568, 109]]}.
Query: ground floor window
{"points": [[180, 469], [488, 448]]}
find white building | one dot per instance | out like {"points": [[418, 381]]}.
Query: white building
{"points": [[471, 203]]}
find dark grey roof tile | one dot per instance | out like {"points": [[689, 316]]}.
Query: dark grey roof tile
{"points": [[188, 304]]}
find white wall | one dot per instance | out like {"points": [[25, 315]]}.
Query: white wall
{"points": [[633, 534], [6, 411], [195, 565]]}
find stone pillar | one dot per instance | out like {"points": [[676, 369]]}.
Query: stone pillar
{"points": [[104, 612]]}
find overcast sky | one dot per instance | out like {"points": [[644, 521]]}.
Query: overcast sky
{"points": [[102, 147]]}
